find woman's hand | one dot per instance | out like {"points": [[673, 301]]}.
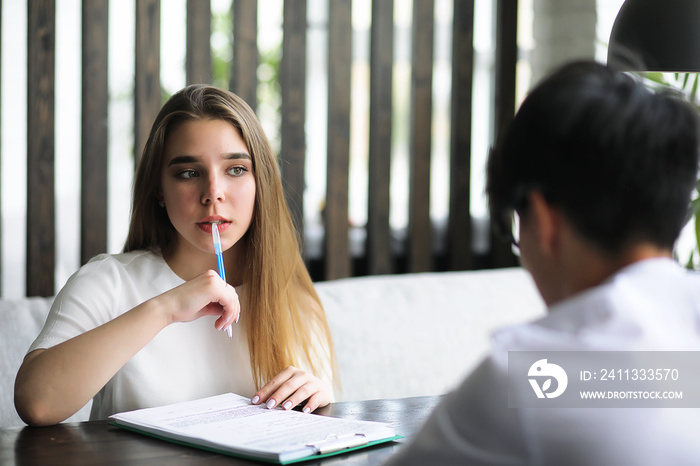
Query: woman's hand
{"points": [[291, 387], [205, 295]]}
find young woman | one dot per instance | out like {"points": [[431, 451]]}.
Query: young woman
{"points": [[134, 330]]}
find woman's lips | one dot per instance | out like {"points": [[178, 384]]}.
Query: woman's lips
{"points": [[206, 226]]}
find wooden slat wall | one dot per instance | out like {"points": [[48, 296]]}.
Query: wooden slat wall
{"points": [[337, 247], [420, 245], [459, 229], [293, 85], [198, 64], [41, 45], [94, 131], [504, 108], [1, 235], [379, 258], [244, 74], [379, 254], [147, 98]]}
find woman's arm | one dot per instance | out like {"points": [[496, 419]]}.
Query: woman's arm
{"points": [[52, 384]]}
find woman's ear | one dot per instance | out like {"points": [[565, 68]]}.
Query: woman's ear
{"points": [[546, 222]]}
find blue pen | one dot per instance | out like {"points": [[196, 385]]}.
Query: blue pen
{"points": [[220, 262]]}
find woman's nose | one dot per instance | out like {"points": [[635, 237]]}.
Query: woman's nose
{"points": [[213, 191]]}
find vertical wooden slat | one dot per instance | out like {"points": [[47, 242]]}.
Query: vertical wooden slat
{"points": [[147, 99], [420, 257], [94, 133], [337, 249], [459, 234], [41, 45], [293, 87], [504, 109], [1, 254], [380, 114], [244, 75], [198, 64]]}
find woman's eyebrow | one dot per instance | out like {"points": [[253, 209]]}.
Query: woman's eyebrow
{"points": [[237, 155], [180, 159], [183, 159]]}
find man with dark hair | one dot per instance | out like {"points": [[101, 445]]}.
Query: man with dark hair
{"points": [[599, 171]]}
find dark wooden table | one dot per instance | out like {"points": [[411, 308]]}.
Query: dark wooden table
{"points": [[98, 443]]}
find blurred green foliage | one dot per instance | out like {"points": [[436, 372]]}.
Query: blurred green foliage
{"points": [[686, 84]]}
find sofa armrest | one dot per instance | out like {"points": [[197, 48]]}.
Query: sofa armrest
{"points": [[21, 321]]}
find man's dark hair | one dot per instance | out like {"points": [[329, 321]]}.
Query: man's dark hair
{"points": [[620, 160]]}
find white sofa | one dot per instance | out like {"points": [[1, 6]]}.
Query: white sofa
{"points": [[395, 336]]}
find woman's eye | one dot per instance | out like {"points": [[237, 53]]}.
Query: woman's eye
{"points": [[237, 171], [186, 174]]}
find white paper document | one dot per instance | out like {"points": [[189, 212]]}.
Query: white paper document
{"points": [[230, 424]]}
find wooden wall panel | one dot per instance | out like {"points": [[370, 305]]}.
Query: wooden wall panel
{"points": [[459, 230], [379, 257], [198, 64], [379, 254], [504, 107], [94, 129], [244, 72], [337, 224], [147, 98], [420, 238], [293, 86], [1, 210], [41, 55]]}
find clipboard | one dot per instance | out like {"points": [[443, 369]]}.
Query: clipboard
{"points": [[229, 424]]}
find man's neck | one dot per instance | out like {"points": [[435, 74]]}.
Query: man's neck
{"points": [[588, 269]]}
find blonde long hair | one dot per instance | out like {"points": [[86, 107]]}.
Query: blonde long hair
{"points": [[286, 320]]}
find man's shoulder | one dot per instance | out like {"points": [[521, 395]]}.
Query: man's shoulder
{"points": [[648, 304]]}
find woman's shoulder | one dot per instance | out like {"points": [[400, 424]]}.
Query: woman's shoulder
{"points": [[126, 262], [114, 269], [126, 259], [124, 277]]}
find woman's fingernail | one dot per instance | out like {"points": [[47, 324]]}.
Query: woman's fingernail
{"points": [[306, 409], [271, 403], [255, 399], [238, 317], [287, 405]]}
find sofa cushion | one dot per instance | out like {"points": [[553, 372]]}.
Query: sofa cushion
{"points": [[420, 334]]}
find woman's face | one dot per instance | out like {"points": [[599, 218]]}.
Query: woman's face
{"points": [[207, 177]]}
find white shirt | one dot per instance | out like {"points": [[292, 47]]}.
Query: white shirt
{"points": [[185, 361], [650, 305]]}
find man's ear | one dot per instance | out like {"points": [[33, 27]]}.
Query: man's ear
{"points": [[546, 220]]}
